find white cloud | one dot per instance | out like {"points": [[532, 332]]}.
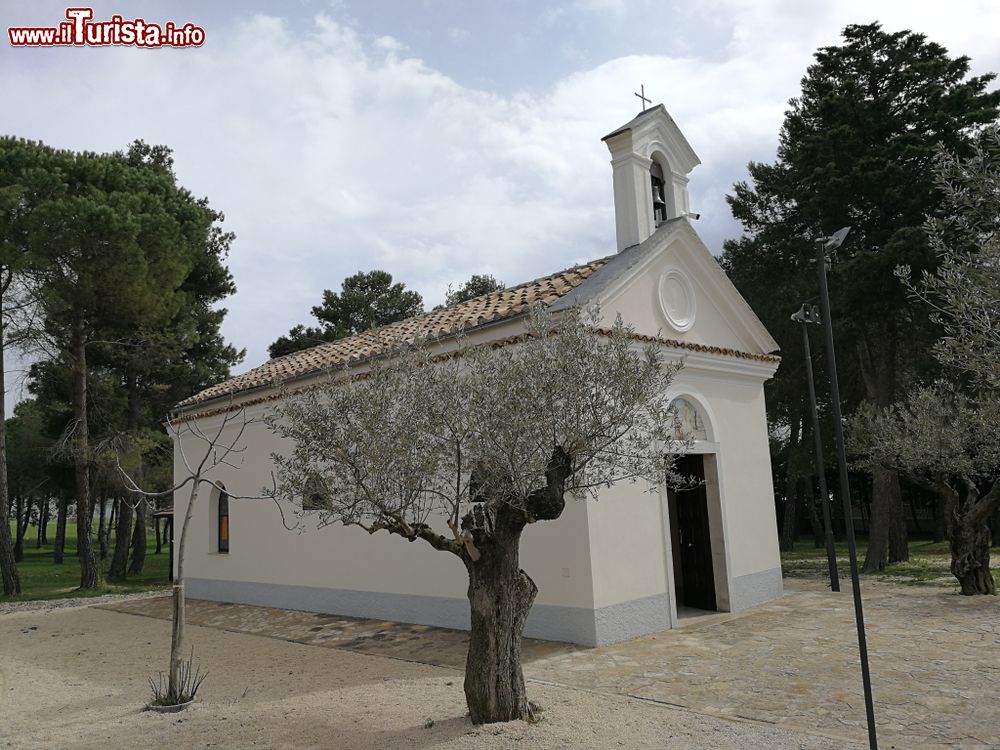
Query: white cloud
{"points": [[331, 151], [390, 44], [614, 6]]}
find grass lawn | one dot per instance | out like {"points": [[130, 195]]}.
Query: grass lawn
{"points": [[929, 563], [42, 579]]}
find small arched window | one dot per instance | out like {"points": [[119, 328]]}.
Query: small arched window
{"points": [[223, 522], [314, 494]]}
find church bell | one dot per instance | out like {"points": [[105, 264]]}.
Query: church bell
{"points": [[657, 182], [658, 203]]}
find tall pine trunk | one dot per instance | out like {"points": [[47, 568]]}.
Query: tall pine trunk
{"points": [[795, 510], [8, 568], [887, 537], [812, 508], [103, 523], [939, 530], [790, 518], [139, 532], [20, 526], [43, 525], [89, 573], [59, 548], [138, 540], [123, 533], [914, 514], [500, 598], [887, 534]]}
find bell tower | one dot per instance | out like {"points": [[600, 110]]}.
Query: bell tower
{"points": [[650, 161]]}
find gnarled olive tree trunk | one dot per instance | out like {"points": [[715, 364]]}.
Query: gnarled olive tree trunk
{"points": [[969, 536], [970, 556], [500, 598], [968, 529], [501, 595]]}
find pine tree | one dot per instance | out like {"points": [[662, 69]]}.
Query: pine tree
{"points": [[857, 148], [366, 300]]}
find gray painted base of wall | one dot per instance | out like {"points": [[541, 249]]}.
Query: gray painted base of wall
{"points": [[755, 588], [628, 620], [587, 627]]}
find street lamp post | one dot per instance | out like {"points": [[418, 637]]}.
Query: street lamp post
{"points": [[805, 315], [824, 245]]}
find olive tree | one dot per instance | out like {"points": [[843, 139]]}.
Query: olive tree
{"points": [[949, 444], [463, 448]]}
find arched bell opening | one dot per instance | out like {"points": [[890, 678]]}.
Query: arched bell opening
{"points": [[661, 188], [658, 184]]}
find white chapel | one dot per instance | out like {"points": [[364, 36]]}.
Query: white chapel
{"points": [[710, 548]]}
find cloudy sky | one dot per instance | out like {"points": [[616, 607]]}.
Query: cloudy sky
{"points": [[434, 138]]}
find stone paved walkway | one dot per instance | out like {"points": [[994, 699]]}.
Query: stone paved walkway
{"points": [[935, 659]]}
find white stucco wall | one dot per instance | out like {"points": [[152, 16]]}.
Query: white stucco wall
{"points": [[261, 550], [627, 545]]}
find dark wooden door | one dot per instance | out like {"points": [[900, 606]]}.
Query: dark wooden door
{"points": [[691, 535]]}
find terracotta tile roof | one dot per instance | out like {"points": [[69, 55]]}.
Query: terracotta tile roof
{"points": [[273, 395], [706, 348], [475, 312]]}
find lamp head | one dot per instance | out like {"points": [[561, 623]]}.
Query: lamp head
{"points": [[835, 240], [807, 314]]}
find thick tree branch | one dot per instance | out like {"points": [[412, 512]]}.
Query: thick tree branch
{"points": [[986, 505], [547, 503], [412, 533]]}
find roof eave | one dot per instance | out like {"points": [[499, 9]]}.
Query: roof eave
{"points": [[246, 392]]}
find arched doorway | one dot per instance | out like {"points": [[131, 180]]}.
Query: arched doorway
{"points": [[694, 511], [691, 537]]}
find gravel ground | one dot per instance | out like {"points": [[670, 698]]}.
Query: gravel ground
{"points": [[47, 605], [75, 677]]}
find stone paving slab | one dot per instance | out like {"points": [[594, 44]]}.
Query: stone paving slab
{"points": [[442, 647], [935, 659]]}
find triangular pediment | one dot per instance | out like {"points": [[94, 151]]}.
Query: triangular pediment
{"points": [[672, 287]]}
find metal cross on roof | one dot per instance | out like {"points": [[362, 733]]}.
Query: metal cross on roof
{"points": [[642, 96]]}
